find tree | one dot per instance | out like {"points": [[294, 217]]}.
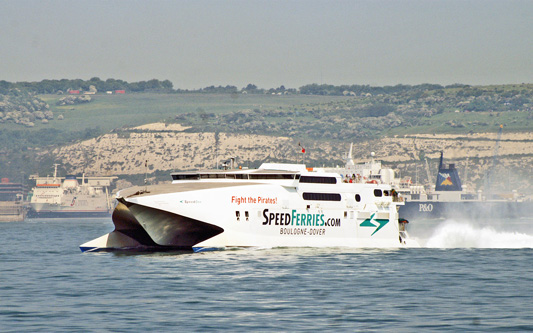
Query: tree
{"points": [[250, 87]]}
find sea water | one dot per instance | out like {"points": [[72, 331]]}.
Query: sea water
{"points": [[467, 277]]}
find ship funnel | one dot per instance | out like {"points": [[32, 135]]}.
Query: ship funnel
{"points": [[447, 178]]}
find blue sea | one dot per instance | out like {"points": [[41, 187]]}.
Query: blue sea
{"points": [[468, 276]]}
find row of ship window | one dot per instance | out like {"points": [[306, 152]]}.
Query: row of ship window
{"points": [[234, 176], [337, 196], [302, 179], [289, 176], [270, 176]]}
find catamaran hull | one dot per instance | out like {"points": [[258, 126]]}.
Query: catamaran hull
{"points": [[139, 227], [215, 219]]}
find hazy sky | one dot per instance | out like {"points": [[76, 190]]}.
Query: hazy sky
{"points": [[269, 43]]}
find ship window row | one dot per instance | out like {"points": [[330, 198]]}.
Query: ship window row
{"points": [[377, 193], [256, 176], [467, 197], [268, 176], [336, 196], [318, 180], [274, 176], [322, 196], [238, 215], [185, 177]]}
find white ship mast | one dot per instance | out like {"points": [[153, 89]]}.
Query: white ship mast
{"points": [[55, 173]]}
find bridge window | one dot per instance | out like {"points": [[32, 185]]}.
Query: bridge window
{"points": [[318, 180], [357, 198], [272, 176], [212, 175], [322, 196], [185, 177], [378, 193]]}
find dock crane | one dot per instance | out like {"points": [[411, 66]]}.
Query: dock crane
{"points": [[490, 171], [427, 172]]}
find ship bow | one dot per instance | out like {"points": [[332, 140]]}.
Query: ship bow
{"points": [[142, 227]]}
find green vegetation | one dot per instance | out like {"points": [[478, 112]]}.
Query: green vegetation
{"points": [[115, 111], [314, 112], [402, 110], [64, 85]]}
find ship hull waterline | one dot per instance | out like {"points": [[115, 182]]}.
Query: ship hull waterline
{"points": [[470, 210], [67, 214]]}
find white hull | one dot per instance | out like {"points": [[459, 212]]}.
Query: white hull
{"points": [[96, 206], [216, 214]]}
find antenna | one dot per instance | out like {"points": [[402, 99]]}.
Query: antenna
{"points": [[217, 138], [466, 171], [302, 151], [55, 173], [146, 175]]}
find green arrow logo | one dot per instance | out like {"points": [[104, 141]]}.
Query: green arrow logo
{"points": [[370, 223]]}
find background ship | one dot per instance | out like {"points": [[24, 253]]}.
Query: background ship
{"points": [[12, 206], [448, 198], [70, 196]]}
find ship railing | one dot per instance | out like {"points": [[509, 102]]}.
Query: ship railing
{"points": [[397, 199]]}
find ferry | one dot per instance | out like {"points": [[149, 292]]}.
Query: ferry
{"points": [[448, 198], [70, 196], [276, 205]]}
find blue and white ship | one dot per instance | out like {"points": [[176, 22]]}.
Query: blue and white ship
{"points": [[448, 198]]}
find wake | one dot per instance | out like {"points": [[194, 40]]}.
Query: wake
{"points": [[453, 234]]}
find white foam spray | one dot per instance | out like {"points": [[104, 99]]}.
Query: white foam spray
{"points": [[454, 234]]}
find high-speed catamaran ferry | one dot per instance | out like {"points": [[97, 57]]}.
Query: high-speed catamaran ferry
{"points": [[277, 205]]}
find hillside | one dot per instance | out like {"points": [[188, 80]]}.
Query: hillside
{"points": [[169, 147], [402, 124]]}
